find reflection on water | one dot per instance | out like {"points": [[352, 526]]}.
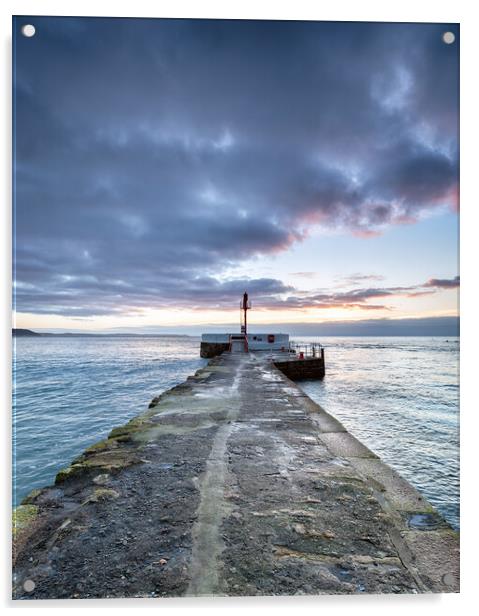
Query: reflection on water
{"points": [[397, 395]]}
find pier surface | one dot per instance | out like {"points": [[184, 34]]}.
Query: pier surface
{"points": [[233, 483]]}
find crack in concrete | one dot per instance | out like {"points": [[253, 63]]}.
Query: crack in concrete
{"points": [[207, 541]]}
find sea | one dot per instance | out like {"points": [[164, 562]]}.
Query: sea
{"points": [[399, 396]]}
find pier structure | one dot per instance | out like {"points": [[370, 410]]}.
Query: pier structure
{"points": [[233, 483], [215, 344], [296, 361]]}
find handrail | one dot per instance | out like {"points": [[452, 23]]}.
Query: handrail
{"points": [[310, 349]]}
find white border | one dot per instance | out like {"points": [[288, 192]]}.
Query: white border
{"points": [[361, 10], [342, 10]]}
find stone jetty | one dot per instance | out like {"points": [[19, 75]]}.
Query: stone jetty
{"points": [[232, 483]]}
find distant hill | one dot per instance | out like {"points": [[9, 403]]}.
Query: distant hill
{"points": [[29, 332], [24, 332]]}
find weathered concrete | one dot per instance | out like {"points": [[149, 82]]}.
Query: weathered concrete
{"points": [[212, 349], [300, 369], [233, 483]]}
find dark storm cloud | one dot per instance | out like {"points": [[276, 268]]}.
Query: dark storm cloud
{"points": [[153, 154]]}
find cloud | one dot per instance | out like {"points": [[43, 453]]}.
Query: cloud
{"points": [[151, 155], [357, 278], [359, 298], [441, 283], [304, 274]]}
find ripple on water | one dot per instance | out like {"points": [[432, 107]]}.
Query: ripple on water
{"points": [[401, 399], [70, 392]]}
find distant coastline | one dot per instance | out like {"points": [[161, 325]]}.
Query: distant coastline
{"points": [[28, 332], [24, 332], [447, 327]]}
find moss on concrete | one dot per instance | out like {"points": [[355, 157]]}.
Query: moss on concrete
{"points": [[102, 446], [107, 461], [31, 496], [22, 518], [138, 423], [68, 473]]}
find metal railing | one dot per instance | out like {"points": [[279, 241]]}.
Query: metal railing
{"points": [[311, 349]]}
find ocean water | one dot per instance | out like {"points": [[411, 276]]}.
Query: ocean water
{"points": [[69, 392], [400, 397], [397, 395]]}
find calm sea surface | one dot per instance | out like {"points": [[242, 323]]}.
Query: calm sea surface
{"points": [[397, 395]]}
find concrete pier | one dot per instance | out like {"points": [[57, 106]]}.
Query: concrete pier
{"points": [[300, 369], [233, 483]]}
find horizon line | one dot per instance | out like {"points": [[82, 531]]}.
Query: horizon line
{"points": [[438, 326]]}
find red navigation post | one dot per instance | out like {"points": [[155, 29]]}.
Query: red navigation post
{"points": [[245, 306]]}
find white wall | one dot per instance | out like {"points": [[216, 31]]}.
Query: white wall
{"points": [[256, 342], [215, 337], [259, 342]]}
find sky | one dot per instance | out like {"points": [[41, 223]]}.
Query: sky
{"points": [[163, 167]]}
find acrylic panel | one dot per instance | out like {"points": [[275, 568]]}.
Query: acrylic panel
{"points": [[235, 295]]}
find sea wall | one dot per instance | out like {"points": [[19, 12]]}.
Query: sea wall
{"points": [[212, 349], [302, 369], [232, 483]]}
